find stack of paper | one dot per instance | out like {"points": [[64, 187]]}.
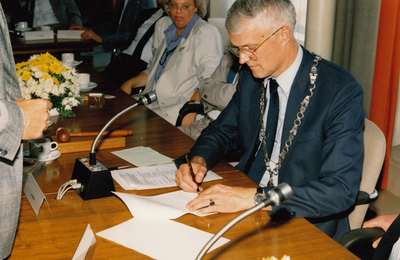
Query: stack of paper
{"points": [[153, 234]]}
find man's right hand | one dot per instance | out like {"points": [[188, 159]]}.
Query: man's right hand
{"points": [[184, 179], [35, 117], [382, 221]]}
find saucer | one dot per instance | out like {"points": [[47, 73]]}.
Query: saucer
{"points": [[23, 30], [74, 63], [91, 86], [53, 155], [49, 123]]}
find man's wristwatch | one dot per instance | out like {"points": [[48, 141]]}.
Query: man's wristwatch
{"points": [[259, 196]]}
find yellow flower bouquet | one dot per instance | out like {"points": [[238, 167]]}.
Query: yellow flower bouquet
{"points": [[44, 76]]}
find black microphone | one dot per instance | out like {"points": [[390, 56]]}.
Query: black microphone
{"points": [[274, 197], [94, 177]]}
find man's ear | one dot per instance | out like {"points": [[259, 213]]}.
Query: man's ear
{"points": [[285, 34]]}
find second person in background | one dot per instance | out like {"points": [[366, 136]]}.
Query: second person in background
{"points": [[186, 50]]}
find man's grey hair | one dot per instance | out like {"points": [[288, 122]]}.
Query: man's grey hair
{"points": [[263, 14]]}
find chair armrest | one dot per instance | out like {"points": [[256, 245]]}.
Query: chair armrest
{"points": [[188, 108], [361, 236], [365, 198]]}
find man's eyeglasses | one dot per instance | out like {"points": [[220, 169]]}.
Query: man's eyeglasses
{"points": [[186, 8], [251, 53]]}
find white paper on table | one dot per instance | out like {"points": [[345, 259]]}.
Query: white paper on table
{"points": [[152, 177], [69, 34], [161, 239], [142, 156], [34, 194], [170, 205], [86, 246]]}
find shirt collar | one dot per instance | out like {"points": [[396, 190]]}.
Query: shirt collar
{"points": [[285, 80]]}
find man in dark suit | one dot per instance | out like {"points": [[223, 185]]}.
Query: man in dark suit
{"points": [[115, 33], [309, 133], [65, 11], [135, 57]]}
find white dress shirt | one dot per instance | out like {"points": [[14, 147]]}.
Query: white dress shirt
{"points": [[285, 81], [43, 14], [147, 52]]}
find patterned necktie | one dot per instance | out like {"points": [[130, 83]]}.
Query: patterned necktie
{"points": [[258, 167]]}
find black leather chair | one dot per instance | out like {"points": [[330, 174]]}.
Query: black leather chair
{"points": [[359, 241]]}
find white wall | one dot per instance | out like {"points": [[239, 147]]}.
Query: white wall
{"points": [[219, 8]]}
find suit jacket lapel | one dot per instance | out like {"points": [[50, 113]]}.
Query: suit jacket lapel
{"points": [[253, 89], [180, 49], [299, 90]]}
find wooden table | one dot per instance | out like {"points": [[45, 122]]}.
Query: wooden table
{"points": [[55, 234]]}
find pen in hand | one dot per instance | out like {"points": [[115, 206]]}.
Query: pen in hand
{"points": [[192, 173]]}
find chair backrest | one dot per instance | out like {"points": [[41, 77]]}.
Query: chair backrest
{"points": [[220, 24], [374, 155]]}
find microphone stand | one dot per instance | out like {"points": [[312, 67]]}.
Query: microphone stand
{"points": [[95, 179], [275, 197], [144, 100]]}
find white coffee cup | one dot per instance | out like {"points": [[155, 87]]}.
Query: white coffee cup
{"points": [[83, 80], [41, 148], [21, 26], [45, 28], [67, 58]]}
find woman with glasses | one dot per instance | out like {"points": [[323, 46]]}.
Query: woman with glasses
{"points": [[186, 50]]}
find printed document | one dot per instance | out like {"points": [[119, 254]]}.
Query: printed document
{"points": [[152, 177]]}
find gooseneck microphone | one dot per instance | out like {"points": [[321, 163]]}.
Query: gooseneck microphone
{"points": [[95, 179], [274, 197], [144, 100]]}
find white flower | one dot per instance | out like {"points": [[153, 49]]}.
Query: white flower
{"points": [[31, 82], [48, 88], [26, 96], [44, 96], [33, 57], [46, 84]]}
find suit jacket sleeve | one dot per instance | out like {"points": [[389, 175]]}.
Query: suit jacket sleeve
{"points": [[11, 127], [119, 40], [73, 13], [11, 117], [66, 12], [219, 137], [325, 166], [214, 91]]}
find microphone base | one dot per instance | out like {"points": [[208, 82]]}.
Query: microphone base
{"points": [[96, 181]]}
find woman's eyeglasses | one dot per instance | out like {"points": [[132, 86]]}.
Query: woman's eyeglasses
{"points": [[186, 8]]}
